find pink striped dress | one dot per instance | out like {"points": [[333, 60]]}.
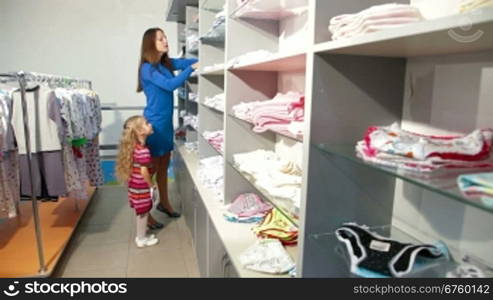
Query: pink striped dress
{"points": [[139, 192]]}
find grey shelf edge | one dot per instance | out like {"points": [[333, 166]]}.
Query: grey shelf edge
{"points": [[235, 237], [290, 136]]}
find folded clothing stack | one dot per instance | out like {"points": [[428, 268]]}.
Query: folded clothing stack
{"points": [[259, 9], [392, 146], [192, 43], [192, 147], [280, 180], [284, 113], [216, 102], [214, 67], [216, 34], [375, 18], [192, 97], [247, 208], [469, 5], [267, 256], [250, 58], [215, 139], [477, 185], [192, 121], [211, 174], [277, 226]]}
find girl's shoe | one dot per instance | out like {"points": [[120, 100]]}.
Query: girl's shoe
{"points": [[146, 242]]}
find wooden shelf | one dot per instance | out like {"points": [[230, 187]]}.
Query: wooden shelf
{"points": [[18, 249]]}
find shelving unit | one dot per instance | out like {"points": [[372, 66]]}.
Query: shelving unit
{"points": [[418, 75]]}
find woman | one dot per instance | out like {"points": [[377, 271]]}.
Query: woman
{"points": [[157, 81]]}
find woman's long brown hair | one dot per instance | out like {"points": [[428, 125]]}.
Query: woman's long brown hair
{"points": [[149, 53]]}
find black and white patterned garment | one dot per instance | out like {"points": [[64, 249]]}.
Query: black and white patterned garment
{"points": [[372, 255]]}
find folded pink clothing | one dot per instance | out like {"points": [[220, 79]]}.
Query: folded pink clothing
{"points": [[248, 205], [375, 12], [278, 126], [374, 25], [392, 146], [393, 140], [375, 18], [429, 165]]}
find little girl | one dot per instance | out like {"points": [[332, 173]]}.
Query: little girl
{"points": [[133, 166]]}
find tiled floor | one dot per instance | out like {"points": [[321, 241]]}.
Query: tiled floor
{"points": [[103, 245]]}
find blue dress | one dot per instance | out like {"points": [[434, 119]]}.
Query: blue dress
{"points": [[158, 84]]}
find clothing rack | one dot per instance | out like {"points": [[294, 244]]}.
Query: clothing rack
{"points": [[23, 78]]}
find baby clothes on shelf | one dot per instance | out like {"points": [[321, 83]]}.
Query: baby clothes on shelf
{"points": [[372, 255], [191, 120], [216, 34], [193, 97], [469, 5], [477, 185], [192, 147], [211, 174], [375, 18], [392, 146], [247, 208], [214, 67], [266, 168], [216, 102], [284, 113], [192, 42], [250, 58], [258, 9], [267, 256], [276, 226], [215, 139]]}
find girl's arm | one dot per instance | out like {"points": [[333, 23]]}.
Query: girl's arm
{"points": [[150, 73], [147, 175], [183, 63]]}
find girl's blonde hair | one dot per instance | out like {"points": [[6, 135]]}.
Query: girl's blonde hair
{"points": [[124, 160]]}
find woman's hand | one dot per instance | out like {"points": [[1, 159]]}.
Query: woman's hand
{"points": [[195, 66]]}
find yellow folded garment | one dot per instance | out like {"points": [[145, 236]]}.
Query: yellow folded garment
{"points": [[468, 5]]}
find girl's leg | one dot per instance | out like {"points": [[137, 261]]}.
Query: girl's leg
{"points": [[141, 223]]}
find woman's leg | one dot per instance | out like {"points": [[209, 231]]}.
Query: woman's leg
{"points": [[161, 165]]}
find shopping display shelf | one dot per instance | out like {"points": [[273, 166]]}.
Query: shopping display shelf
{"points": [[287, 209], [241, 11], [280, 62], [447, 35], [218, 151], [236, 237], [213, 108], [443, 182], [213, 5], [336, 249], [217, 70], [297, 138]]}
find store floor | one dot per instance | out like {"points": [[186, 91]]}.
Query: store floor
{"points": [[103, 245]]}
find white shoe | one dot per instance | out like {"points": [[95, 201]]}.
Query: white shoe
{"points": [[146, 242]]}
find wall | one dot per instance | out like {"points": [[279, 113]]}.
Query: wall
{"points": [[92, 39]]}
